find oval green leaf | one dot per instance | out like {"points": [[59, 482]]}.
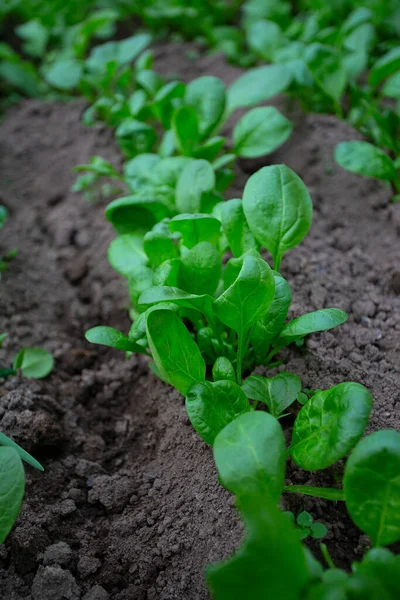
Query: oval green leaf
{"points": [[126, 252], [365, 159], [212, 406], [372, 486], [278, 209], [207, 95], [197, 178], [319, 320], [329, 425], [261, 131], [257, 85], [34, 362], [108, 336]]}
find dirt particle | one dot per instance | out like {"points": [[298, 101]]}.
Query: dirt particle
{"points": [[88, 565], [57, 554], [54, 583], [96, 593]]}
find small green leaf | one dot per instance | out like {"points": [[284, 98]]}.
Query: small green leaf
{"points": [[235, 227], [372, 486], [174, 351], [326, 67], [136, 213], [365, 159], [316, 492], [196, 228], [159, 247], [278, 209], [12, 487], [212, 406], [135, 137], [304, 519], [158, 294], [249, 296], [277, 392], [23, 454], [257, 85], [197, 178], [385, 66], [223, 370], [250, 455], [261, 131], [200, 269], [34, 362], [391, 89], [329, 425], [318, 531], [186, 129], [108, 336], [264, 38], [319, 320], [207, 95]]}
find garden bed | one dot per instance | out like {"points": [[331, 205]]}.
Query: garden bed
{"points": [[129, 488]]}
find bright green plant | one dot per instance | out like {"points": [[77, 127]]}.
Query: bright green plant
{"points": [[236, 309], [33, 362], [306, 526]]}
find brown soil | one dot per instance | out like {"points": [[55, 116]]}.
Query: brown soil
{"points": [[129, 506]]}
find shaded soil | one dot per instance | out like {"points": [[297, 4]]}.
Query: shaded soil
{"points": [[129, 506]]}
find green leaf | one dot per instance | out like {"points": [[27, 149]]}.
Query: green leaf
{"points": [[196, 228], [264, 37], [126, 252], [207, 95], [385, 66], [186, 129], [35, 36], [319, 320], [372, 486], [270, 324], [155, 295], [200, 269], [139, 280], [277, 392], [235, 227], [249, 296], [250, 456], [23, 454], [159, 247], [197, 178], [64, 74], [108, 336], [329, 425], [122, 52], [223, 370], [382, 565], [316, 492], [257, 85], [365, 159], [212, 406], [325, 65], [318, 531], [270, 549], [136, 213], [261, 131], [34, 362], [304, 519], [391, 89], [174, 351], [12, 487], [135, 137], [278, 209]]}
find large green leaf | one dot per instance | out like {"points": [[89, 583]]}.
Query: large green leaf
{"points": [[365, 159], [329, 425], [136, 213], [271, 563], [372, 486], [211, 406], [200, 269], [250, 455], [278, 209], [235, 227], [12, 487], [197, 178], [261, 131], [174, 351], [126, 252], [196, 228]]}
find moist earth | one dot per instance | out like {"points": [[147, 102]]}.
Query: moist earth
{"points": [[129, 506]]}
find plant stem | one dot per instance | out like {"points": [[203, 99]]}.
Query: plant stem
{"points": [[327, 556], [277, 262]]}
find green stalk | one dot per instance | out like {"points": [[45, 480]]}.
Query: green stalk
{"points": [[327, 556], [239, 361]]}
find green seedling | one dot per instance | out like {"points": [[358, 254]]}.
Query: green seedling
{"points": [[35, 363], [306, 526]]}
